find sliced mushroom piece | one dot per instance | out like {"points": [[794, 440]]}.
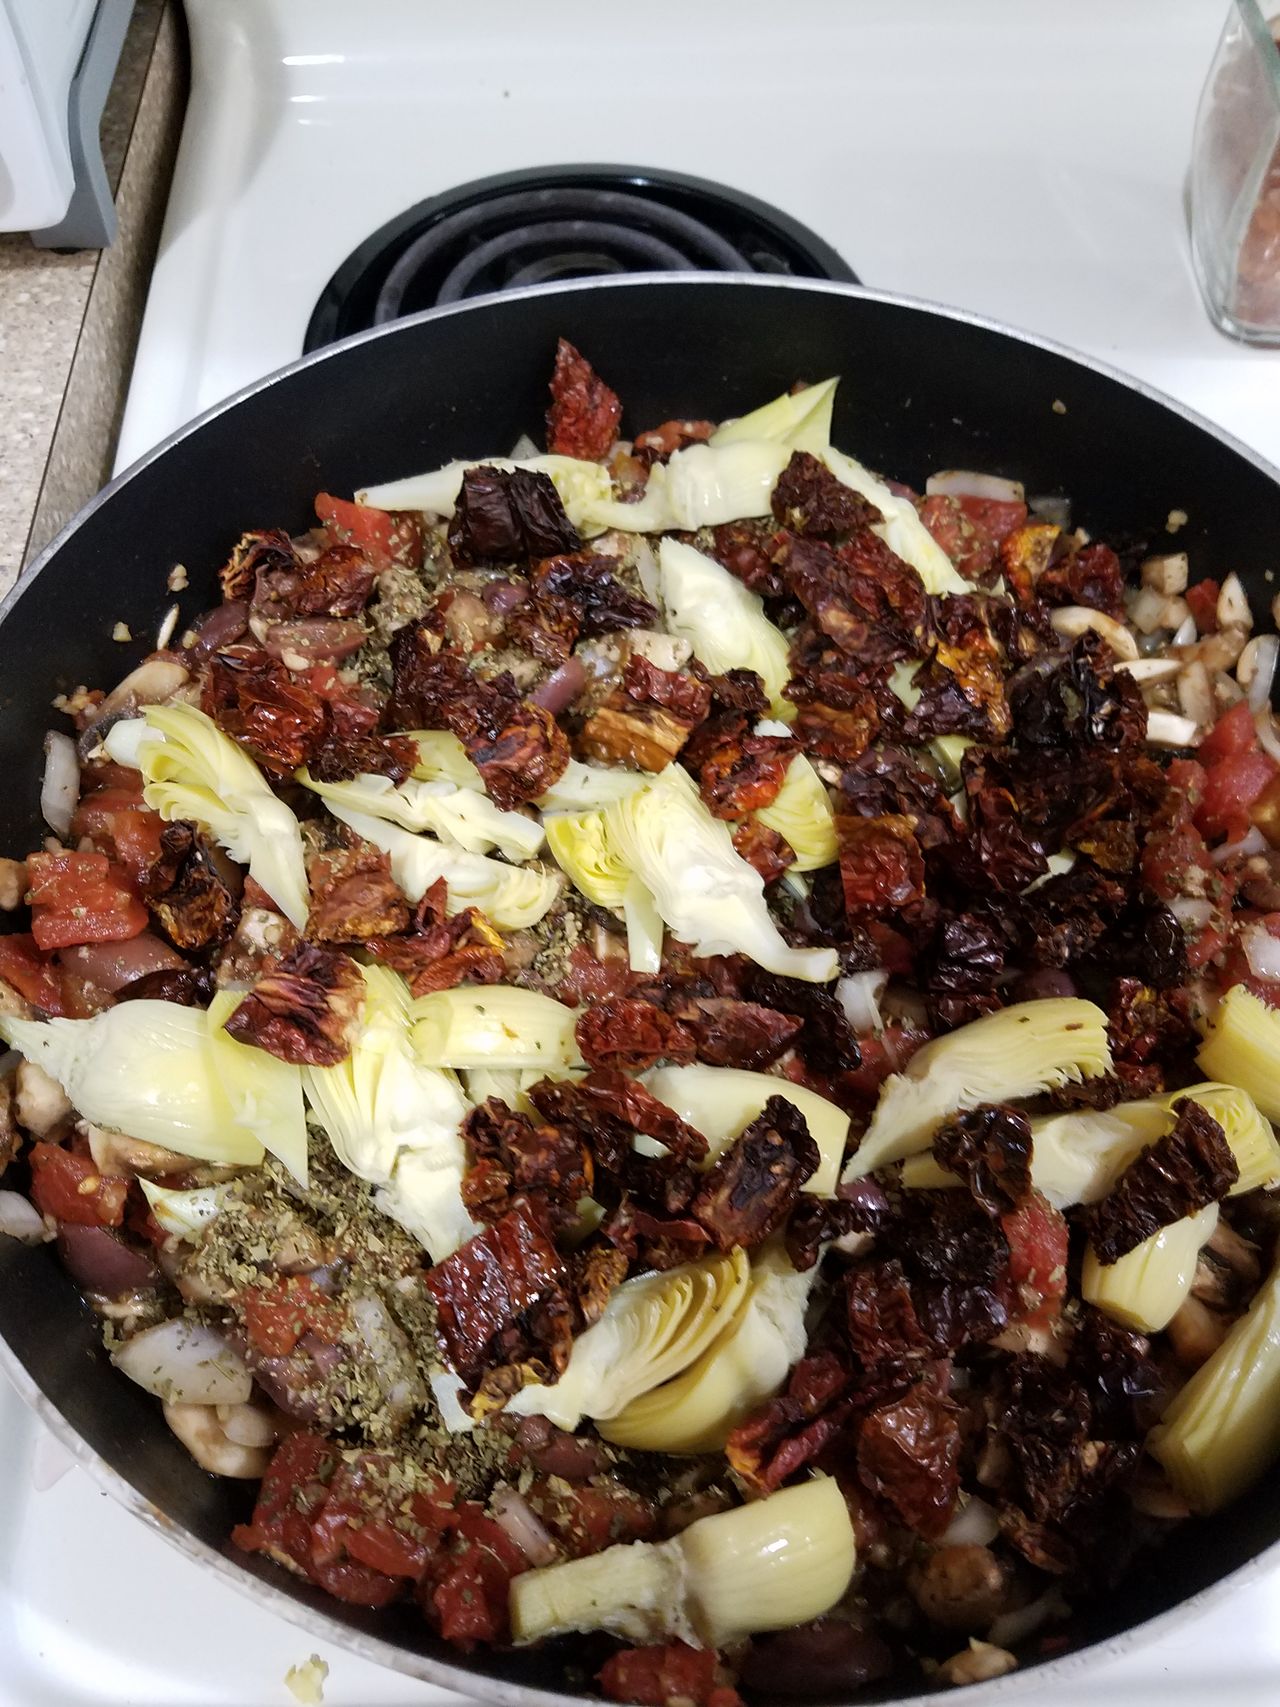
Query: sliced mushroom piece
{"points": [[205, 1435], [1196, 1332], [961, 1587], [115, 1153]]}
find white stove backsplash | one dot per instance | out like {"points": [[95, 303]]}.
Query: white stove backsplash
{"points": [[1024, 162]]}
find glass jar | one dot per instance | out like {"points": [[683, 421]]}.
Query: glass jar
{"points": [[1235, 179]]}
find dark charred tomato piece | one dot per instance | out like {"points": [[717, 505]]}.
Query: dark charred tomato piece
{"points": [[1188, 1168], [79, 898], [754, 1185], [303, 1008], [632, 1033], [1202, 597], [674, 1675], [1091, 577], [277, 1316], [763, 848], [881, 864], [584, 414], [70, 1188], [1037, 1235], [384, 536], [31, 972], [909, 1455], [253, 699]]}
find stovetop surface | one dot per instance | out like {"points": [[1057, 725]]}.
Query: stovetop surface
{"points": [[1026, 162]]}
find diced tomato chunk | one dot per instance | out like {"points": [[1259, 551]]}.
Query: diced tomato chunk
{"points": [[1202, 597], [588, 1519], [1186, 782], [70, 1188], [1037, 1235], [671, 1675], [1234, 733], [277, 1316], [31, 972], [385, 536], [393, 1535], [1230, 789], [469, 1596], [78, 898]]}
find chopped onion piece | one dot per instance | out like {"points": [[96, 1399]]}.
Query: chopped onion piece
{"points": [[1185, 633], [1051, 507], [1268, 736], [859, 995], [1150, 670], [965, 483], [1146, 610], [1167, 729], [1253, 842], [974, 1525], [1195, 694], [1013, 1627], [185, 1363], [1256, 669], [525, 1528], [1072, 621], [21, 1220], [1233, 604], [1262, 950], [1191, 910], [60, 788]]}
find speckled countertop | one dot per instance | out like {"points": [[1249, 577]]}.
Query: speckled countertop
{"points": [[69, 322]]}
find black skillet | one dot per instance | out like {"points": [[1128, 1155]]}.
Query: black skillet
{"points": [[922, 389]]}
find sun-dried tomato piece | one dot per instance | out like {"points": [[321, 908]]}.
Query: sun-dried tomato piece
{"points": [[990, 1148], [590, 584], [887, 781], [809, 500], [962, 684], [522, 761], [1091, 576], [1081, 699], [727, 1032], [765, 850], [502, 1302], [860, 1208], [599, 1268], [658, 443], [337, 583], [632, 1033], [792, 1430], [551, 1167], [754, 1185], [255, 551], [338, 760], [508, 515], [304, 1008], [438, 951], [842, 733], [957, 1260], [739, 690], [686, 696], [188, 889], [584, 414], [745, 550], [1186, 1170], [909, 1455], [610, 1109], [354, 896], [546, 626], [883, 1330], [861, 594], [881, 864], [826, 1042], [738, 772], [252, 698]]}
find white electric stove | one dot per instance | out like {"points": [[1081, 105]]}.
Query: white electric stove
{"points": [[1023, 160]]}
